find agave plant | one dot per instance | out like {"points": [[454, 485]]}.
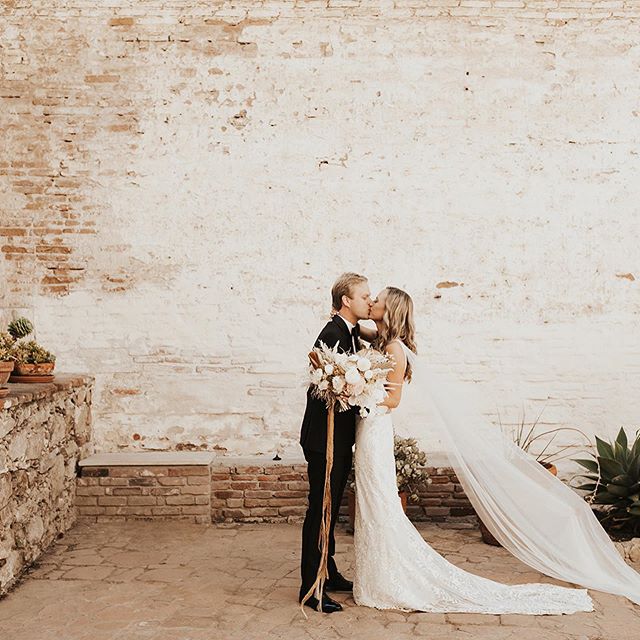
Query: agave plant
{"points": [[541, 443], [613, 483]]}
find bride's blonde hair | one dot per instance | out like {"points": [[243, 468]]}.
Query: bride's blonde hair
{"points": [[398, 323]]}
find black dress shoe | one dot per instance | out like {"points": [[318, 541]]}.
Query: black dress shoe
{"points": [[338, 583], [328, 605]]}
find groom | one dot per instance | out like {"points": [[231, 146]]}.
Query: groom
{"points": [[351, 301]]}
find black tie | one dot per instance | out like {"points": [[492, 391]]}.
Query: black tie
{"points": [[354, 337]]}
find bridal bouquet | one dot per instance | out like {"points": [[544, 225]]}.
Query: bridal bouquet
{"points": [[347, 381]]}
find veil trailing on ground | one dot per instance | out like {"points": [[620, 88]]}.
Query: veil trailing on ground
{"points": [[533, 514]]}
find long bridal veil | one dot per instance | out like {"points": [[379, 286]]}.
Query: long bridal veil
{"points": [[534, 515]]}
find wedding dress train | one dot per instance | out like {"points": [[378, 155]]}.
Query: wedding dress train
{"points": [[533, 514], [395, 568]]}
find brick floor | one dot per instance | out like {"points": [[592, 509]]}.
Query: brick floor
{"points": [[182, 581]]}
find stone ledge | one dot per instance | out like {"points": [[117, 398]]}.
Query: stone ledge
{"points": [[149, 458], [20, 393]]}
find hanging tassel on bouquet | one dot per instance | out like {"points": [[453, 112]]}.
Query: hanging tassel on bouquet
{"points": [[317, 587]]}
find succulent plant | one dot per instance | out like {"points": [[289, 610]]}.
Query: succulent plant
{"points": [[7, 347], [613, 483], [20, 328], [32, 353]]}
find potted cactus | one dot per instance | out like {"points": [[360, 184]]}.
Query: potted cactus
{"points": [[612, 485], [31, 359]]}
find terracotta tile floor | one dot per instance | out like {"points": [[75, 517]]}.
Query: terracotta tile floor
{"points": [[176, 581]]}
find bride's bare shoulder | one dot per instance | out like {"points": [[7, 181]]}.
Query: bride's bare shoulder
{"points": [[395, 349]]}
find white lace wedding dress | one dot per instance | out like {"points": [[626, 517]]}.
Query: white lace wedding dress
{"points": [[395, 568]]}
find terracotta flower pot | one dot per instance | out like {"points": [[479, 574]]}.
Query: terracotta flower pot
{"points": [[487, 536], [6, 367], [24, 369]]}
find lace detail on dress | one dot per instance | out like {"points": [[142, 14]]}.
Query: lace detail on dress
{"points": [[395, 568]]}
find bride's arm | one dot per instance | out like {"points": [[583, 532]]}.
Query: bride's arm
{"points": [[395, 379], [368, 334]]}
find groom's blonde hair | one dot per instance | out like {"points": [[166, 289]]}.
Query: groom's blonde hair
{"points": [[343, 287]]}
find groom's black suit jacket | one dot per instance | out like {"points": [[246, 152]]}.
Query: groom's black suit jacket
{"points": [[313, 436]]}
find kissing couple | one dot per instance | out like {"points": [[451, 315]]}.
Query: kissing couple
{"points": [[395, 568]]}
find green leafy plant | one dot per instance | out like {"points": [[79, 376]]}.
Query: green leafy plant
{"points": [[411, 474], [32, 353], [613, 483], [20, 328], [7, 347]]}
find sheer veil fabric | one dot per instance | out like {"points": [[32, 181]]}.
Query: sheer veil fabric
{"points": [[533, 514]]}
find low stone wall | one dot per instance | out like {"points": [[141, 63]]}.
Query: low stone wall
{"points": [[202, 487], [44, 430], [265, 492], [146, 485]]}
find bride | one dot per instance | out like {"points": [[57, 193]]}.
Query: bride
{"points": [[395, 568]]}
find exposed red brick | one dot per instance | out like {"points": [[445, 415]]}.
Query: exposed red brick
{"points": [[121, 22]]}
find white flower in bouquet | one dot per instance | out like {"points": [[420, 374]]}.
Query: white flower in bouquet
{"points": [[358, 388], [352, 375], [324, 385], [338, 384], [341, 359], [316, 376], [363, 364], [328, 369]]}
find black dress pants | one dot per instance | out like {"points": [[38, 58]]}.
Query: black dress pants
{"points": [[311, 529]]}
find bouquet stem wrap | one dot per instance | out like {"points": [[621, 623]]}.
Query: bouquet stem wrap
{"points": [[325, 524]]}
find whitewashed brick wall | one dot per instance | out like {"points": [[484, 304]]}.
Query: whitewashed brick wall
{"points": [[180, 182]]}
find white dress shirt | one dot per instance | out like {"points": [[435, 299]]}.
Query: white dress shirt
{"points": [[350, 326]]}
